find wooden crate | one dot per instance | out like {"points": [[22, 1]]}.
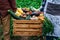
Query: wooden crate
{"points": [[27, 27]]}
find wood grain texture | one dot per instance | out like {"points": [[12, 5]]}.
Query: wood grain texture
{"points": [[27, 27]]}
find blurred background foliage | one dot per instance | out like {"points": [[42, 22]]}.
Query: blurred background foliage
{"points": [[28, 3]]}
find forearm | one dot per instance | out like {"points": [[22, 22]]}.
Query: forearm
{"points": [[42, 5]]}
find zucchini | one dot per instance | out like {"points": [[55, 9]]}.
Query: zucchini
{"points": [[28, 17], [13, 14]]}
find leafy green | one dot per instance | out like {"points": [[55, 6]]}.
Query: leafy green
{"points": [[28, 3], [47, 26]]}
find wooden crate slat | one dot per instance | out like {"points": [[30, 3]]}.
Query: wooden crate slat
{"points": [[27, 30], [27, 33], [27, 21], [28, 26], [35, 25], [21, 25]]}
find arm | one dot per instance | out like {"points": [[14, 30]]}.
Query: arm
{"points": [[13, 5], [42, 5]]}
